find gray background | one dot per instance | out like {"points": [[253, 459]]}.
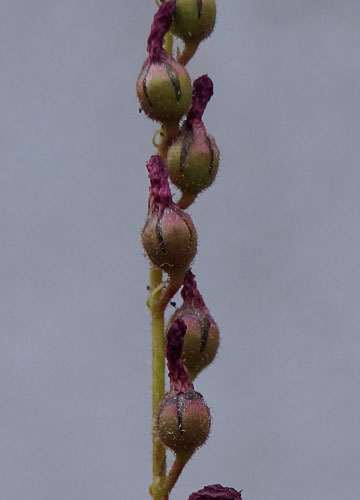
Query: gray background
{"points": [[278, 261]]}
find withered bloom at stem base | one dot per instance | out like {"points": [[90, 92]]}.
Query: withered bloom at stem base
{"points": [[216, 492]]}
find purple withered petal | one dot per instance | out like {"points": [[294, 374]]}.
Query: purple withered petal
{"points": [[202, 91], [216, 492], [160, 26], [178, 374], [190, 293], [160, 194]]}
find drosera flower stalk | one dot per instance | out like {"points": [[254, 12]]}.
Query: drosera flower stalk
{"points": [[180, 418], [170, 241]]}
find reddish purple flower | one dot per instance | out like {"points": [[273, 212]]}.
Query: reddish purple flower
{"points": [[216, 492]]}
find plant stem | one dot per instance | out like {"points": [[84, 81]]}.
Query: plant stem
{"points": [[162, 484], [172, 287], [189, 50], [171, 132], [175, 471], [185, 201], [168, 44], [157, 305], [158, 345], [158, 372]]}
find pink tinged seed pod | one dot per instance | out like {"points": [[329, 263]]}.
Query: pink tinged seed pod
{"points": [[216, 492], [202, 335], [193, 158], [183, 421], [163, 86], [169, 236]]}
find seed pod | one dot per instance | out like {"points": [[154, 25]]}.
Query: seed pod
{"points": [[202, 337], [163, 86], [194, 20], [193, 158], [169, 236], [183, 421]]}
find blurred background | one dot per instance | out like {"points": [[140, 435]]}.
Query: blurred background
{"points": [[278, 259]]}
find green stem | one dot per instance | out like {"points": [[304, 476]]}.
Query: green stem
{"points": [[179, 463], [189, 50], [171, 133], [158, 372], [172, 287], [168, 44], [185, 201], [157, 303]]}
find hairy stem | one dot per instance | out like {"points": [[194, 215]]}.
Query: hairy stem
{"points": [[158, 371], [157, 302], [169, 483]]}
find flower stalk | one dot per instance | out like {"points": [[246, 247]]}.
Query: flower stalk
{"points": [[180, 418], [158, 369]]}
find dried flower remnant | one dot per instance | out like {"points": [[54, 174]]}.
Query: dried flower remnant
{"points": [[216, 492], [178, 374], [160, 26], [203, 90]]}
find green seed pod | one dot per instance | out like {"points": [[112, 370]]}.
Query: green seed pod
{"points": [[202, 336], [164, 90], [201, 342], [183, 421], [163, 86], [193, 158], [194, 19]]}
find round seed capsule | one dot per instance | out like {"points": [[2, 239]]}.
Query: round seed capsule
{"points": [[183, 421]]}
